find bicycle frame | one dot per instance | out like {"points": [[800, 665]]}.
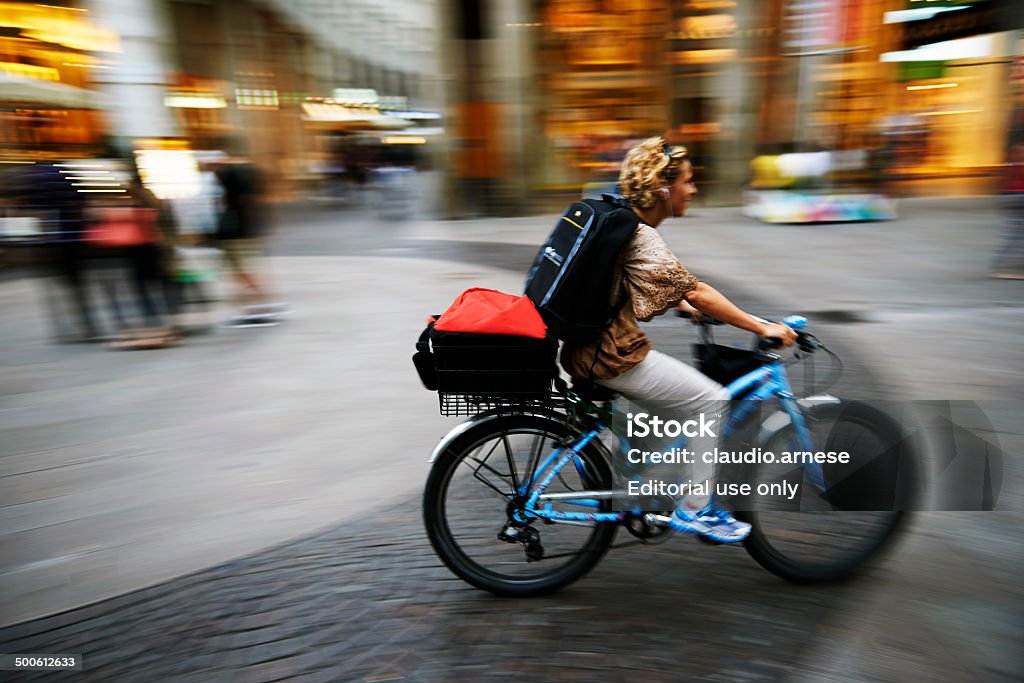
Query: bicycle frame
{"points": [[768, 381]]}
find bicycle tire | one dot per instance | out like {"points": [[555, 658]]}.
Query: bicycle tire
{"points": [[767, 552], [456, 557]]}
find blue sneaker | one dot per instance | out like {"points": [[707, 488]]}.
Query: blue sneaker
{"points": [[712, 521]]}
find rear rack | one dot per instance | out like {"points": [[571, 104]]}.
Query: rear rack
{"points": [[452, 404]]}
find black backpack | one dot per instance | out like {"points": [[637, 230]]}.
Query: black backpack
{"points": [[571, 278]]}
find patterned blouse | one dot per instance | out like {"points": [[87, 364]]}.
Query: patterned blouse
{"points": [[654, 281]]}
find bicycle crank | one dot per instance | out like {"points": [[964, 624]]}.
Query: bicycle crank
{"points": [[643, 528]]}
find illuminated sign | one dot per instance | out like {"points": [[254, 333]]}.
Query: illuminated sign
{"points": [[194, 101], [965, 48], [701, 5], [59, 25], [356, 96], [704, 56], [404, 140], [393, 102], [169, 173], [43, 73], [706, 27], [254, 98]]}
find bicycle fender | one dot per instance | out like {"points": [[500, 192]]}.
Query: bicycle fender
{"points": [[481, 418]]}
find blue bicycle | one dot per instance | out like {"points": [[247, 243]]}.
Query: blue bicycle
{"points": [[520, 498]]}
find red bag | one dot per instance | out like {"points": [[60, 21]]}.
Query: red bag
{"points": [[124, 226], [487, 311]]}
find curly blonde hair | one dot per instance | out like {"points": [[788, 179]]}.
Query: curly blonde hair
{"points": [[648, 168]]}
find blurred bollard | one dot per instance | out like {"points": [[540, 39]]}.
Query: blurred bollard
{"points": [[1008, 261]]}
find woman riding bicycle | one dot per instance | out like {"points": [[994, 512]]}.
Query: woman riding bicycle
{"points": [[657, 181]]}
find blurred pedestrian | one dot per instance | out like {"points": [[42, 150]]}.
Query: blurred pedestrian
{"points": [[196, 259], [239, 235], [44, 191], [1008, 262], [144, 228]]}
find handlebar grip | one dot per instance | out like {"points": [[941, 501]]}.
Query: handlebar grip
{"points": [[683, 314], [765, 343]]}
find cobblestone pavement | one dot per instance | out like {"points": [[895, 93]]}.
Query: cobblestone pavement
{"points": [[370, 602], [367, 600]]}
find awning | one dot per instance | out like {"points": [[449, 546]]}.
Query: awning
{"points": [[338, 117], [32, 93]]}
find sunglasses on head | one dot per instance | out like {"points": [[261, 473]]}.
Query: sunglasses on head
{"points": [[673, 152]]}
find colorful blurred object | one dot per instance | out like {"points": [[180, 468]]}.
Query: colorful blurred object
{"points": [[797, 207]]}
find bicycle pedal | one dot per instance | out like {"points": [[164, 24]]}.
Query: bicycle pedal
{"points": [[657, 520]]}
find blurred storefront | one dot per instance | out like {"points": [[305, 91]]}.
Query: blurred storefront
{"points": [[695, 71], [735, 81], [46, 106], [541, 98], [98, 77], [604, 82], [949, 98]]}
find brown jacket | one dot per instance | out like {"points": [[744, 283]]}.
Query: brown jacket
{"points": [[654, 281]]}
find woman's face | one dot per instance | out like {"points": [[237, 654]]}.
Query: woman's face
{"points": [[683, 190]]}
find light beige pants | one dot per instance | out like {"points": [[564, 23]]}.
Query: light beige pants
{"points": [[672, 390]]}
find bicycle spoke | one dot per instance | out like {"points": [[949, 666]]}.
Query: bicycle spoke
{"points": [[476, 499], [534, 459], [511, 464]]}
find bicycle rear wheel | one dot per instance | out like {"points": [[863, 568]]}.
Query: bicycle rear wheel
{"points": [[471, 494], [829, 536]]}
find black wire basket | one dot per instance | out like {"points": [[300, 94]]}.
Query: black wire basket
{"points": [[451, 404], [475, 372]]}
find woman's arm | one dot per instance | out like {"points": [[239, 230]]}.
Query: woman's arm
{"points": [[709, 300]]}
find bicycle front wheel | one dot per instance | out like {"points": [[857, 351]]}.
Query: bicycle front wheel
{"points": [[813, 536], [474, 488]]}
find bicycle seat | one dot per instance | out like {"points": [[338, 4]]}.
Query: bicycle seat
{"points": [[590, 390]]}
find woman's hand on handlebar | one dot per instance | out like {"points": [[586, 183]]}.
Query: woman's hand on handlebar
{"points": [[783, 334]]}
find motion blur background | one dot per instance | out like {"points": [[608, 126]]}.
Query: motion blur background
{"points": [[511, 102], [408, 150]]}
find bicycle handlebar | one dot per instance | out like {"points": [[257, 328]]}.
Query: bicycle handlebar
{"points": [[806, 341]]}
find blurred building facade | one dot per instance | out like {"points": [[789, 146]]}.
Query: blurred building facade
{"points": [[201, 72], [549, 93], [47, 56], [540, 97]]}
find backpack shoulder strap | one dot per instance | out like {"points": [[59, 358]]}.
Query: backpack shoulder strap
{"points": [[615, 200]]}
